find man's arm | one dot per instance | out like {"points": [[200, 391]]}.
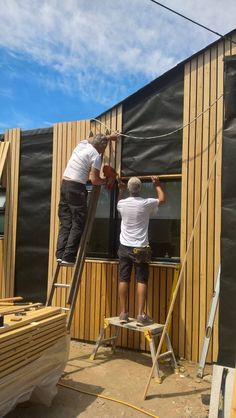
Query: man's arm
{"points": [[122, 187], [95, 177], [113, 136], [159, 190]]}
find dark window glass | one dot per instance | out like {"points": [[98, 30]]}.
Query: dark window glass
{"points": [[100, 241], [164, 225]]}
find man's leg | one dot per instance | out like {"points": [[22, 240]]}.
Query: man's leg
{"points": [[65, 218], [141, 295], [77, 202], [142, 272], [125, 268], [123, 294]]}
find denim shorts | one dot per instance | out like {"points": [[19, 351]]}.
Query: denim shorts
{"points": [[127, 261]]}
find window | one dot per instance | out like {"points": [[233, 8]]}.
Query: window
{"points": [[164, 225], [2, 209], [100, 244]]}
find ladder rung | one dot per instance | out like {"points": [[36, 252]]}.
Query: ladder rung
{"points": [[61, 285], [65, 309]]}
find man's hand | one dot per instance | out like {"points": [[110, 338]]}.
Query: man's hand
{"points": [[155, 180], [159, 190], [122, 186], [113, 136]]}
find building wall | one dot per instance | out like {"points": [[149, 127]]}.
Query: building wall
{"points": [[98, 293], [203, 85]]}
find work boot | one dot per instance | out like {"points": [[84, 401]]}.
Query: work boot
{"points": [[144, 320], [124, 318], [68, 260]]}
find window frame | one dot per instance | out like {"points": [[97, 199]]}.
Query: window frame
{"points": [[113, 220]]}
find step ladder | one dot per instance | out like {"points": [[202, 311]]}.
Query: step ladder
{"points": [[80, 259], [150, 332]]}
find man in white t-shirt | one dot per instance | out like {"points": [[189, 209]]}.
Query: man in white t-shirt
{"points": [[85, 162], [134, 247]]}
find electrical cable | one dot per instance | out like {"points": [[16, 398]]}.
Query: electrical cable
{"points": [[191, 20], [109, 399], [168, 133]]}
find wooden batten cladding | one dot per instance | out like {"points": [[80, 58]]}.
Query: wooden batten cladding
{"points": [[203, 92], [10, 155]]}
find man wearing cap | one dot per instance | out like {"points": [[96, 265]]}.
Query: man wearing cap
{"points": [[134, 247], [85, 163]]}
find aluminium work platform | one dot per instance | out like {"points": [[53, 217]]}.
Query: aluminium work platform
{"points": [[150, 332]]}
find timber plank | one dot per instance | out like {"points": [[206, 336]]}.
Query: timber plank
{"points": [[30, 317], [190, 207], [204, 178], [184, 188], [4, 147], [197, 202], [211, 192]]}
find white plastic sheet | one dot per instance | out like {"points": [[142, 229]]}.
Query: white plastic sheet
{"points": [[37, 381]]}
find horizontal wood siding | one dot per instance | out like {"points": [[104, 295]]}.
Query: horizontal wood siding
{"points": [[203, 85]]}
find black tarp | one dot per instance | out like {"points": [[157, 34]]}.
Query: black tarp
{"points": [[33, 221], [227, 302], [154, 110]]}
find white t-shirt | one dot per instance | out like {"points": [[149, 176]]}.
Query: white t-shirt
{"points": [[82, 159], [135, 213]]}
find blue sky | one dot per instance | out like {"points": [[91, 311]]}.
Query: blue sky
{"points": [[71, 60]]}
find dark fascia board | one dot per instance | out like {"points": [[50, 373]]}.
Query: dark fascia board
{"points": [[167, 75], [32, 132], [39, 131]]}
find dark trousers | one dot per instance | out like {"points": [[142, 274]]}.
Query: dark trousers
{"points": [[72, 212]]}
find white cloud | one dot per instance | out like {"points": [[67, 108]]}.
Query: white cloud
{"points": [[6, 93], [105, 44]]}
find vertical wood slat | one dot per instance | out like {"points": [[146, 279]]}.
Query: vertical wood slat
{"points": [[204, 257], [190, 203], [197, 201], [10, 222], [211, 190], [4, 147], [184, 188]]}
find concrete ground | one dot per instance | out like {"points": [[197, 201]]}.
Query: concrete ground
{"points": [[122, 376]]}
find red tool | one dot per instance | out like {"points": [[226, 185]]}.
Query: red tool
{"points": [[111, 175]]}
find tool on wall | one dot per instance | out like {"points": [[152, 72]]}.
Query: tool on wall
{"points": [[209, 327]]}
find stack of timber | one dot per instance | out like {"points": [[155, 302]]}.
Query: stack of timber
{"points": [[27, 331]]}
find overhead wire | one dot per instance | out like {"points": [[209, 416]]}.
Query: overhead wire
{"points": [[191, 20], [168, 133]]}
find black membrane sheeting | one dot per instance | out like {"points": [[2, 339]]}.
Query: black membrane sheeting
{"points": [[33, 222], [154, 110], [227, 301]]}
